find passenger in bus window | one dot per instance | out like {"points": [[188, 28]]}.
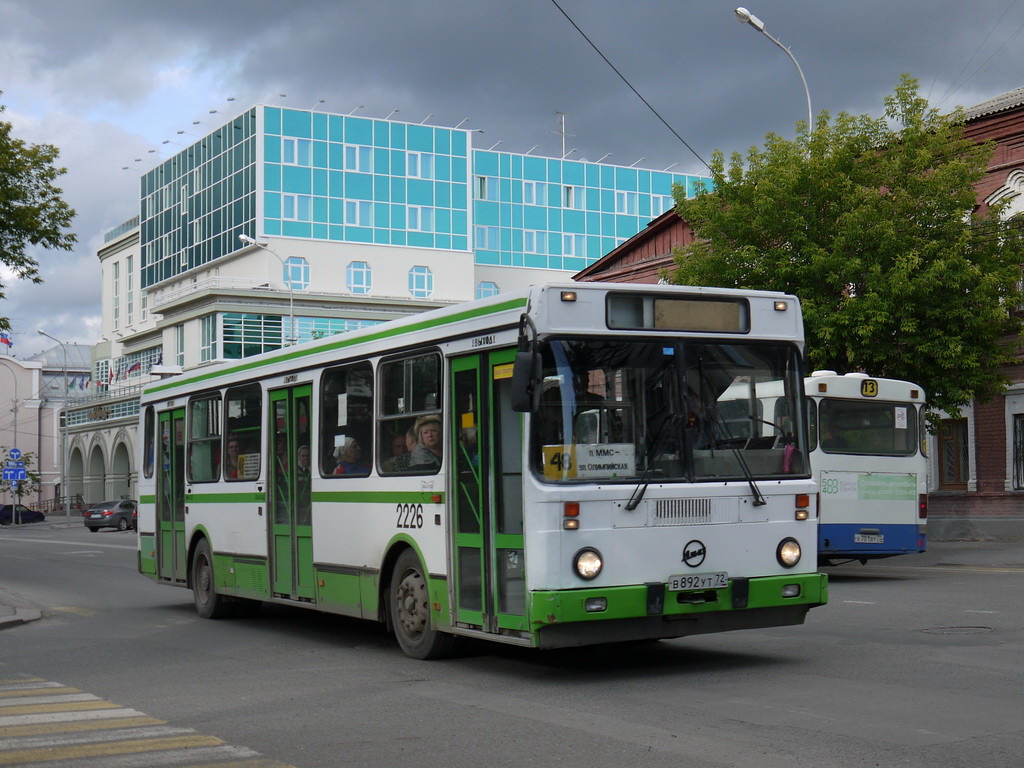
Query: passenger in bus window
{"points": [[401, 448], [427, 453], [350, 458], [234, 451], [302, 459]]}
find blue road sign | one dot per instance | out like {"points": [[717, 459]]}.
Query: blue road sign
{"points": [[14, 453]]}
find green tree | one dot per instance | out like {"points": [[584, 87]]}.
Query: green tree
{"points": [[32, 211], [871, 222]]}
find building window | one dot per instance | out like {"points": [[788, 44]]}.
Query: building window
{"points": [[572, 197], [117, 294], [247, 334], [296, 273], [296, 152], [534, 241], [296, 207], [486, 188], [179, 345], [421, 282], [486, 238], [1018, 451], [359, 277], [485, 289], [661, 203], [314, 328], [420, 165], [420, 218], [144, 307], [573, 245], [626, 202], [358, 158], [207, 338], [359, 213], [953, 455], [535, 193], [129, 305]]}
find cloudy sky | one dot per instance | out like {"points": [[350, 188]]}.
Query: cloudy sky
{"points": [[109, 80]]}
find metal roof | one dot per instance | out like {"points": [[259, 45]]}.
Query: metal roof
{"points": [[79, 357], [1000, 103]]}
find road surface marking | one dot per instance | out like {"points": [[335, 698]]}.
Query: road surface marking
{"points": [[859, 602], [49, 725], [73, 609], [72, 543], [973, 611], [83, 552]]}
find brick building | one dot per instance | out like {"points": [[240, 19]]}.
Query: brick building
{"points": [[977, 460]]}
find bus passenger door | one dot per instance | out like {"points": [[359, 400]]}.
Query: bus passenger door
{"points": [[170, 498], [489, 566], [290, 498]]}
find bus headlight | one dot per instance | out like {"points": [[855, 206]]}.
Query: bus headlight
{"points": [[788, 553], [587, 563]]}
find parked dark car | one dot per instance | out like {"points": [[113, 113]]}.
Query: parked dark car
{"points": [[25, 515], [119, 513]]}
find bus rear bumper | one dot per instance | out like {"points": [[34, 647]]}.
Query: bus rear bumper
{"points": [[856, 540], [649, 611]]}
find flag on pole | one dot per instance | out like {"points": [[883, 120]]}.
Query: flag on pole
{"points": [[136, 367], [5, 338]]}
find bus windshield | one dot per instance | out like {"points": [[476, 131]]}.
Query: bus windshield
{"points": [[651, 411], [868, 428]]}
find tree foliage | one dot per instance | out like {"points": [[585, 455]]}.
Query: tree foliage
{"points": [[872, 223], [32, 211]]}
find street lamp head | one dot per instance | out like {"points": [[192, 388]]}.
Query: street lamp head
{"points": [[246, 239], [743, 16]]}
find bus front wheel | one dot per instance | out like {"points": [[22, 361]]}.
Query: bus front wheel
{"points": [[409, 607]]}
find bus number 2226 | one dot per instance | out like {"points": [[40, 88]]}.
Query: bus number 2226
{"points": [[410, 515]]}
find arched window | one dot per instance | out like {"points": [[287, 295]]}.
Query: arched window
{"points": [[421, 282], [485, 289], [359, 277], [296, 273]]}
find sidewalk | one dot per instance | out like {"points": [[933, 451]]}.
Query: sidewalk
{"points": [[13, 615]]}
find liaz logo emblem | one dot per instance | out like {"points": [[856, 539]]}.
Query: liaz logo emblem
{"points": [[869, 388], [694, 552]]}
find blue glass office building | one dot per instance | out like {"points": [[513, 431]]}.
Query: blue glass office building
{"points": [[275, 172]]}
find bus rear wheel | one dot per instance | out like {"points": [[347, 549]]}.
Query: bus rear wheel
{"points": [[209, 605], [409, 608]]}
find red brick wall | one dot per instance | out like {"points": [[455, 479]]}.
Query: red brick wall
{"points": [[990, 445]]}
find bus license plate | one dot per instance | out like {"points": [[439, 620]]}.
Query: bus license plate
{"points": [[869, 538], [683, 582]]}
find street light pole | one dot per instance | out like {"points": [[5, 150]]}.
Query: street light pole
{"points": [[65, 496], [290, 339], [743, 16], [14, 509]]}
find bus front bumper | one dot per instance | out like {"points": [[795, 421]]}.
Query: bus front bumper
{"points": [[648, 611]]}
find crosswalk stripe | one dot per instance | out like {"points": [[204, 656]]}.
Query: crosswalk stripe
{"points": [[179, 758], [64, 717], [20, 692], [29, 686], [70, 706], [17, 756], [91, 737], [6, 704], [78, 725], [17, 680]]}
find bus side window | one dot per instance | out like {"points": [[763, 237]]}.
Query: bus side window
{"points": [[410, 413], [204, 440], [812, 425], [244, 406], [149, 442], [346, 421]]}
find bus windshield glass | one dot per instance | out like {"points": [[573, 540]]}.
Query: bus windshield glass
{"points": [[868, 428], [651, 411]]}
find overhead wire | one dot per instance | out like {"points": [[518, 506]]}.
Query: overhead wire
{"points": [[949, 89], [630, 85], [989, 59]]}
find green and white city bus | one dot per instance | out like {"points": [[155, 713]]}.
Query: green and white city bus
{"points": [[544, 468]]}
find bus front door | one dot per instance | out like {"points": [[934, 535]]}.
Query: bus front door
{"points": [[290, 499], [170, 498], [489, 560]]}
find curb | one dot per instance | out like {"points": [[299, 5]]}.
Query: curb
{"points": [[21, 616]]}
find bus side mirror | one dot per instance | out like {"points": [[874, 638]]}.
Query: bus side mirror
{"points": [[526, 381]]}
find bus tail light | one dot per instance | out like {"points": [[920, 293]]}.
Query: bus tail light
{"points": [[803, 501], [922, 506], [571, 516]]}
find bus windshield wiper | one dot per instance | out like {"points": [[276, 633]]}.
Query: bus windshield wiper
{"points": [[759, 500], [641, 486]]}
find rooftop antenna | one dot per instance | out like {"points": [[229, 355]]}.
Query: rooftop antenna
{"points": [[562, 129]]}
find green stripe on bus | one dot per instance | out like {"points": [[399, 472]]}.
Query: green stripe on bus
{"points": [[223, 498], [342, 343], [379, 497], [147, 499]]}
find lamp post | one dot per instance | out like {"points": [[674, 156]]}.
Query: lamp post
{"points": [[743, 16], [14, 509], [65, 496], [291, 293]]}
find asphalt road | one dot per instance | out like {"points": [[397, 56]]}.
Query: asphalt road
{"points": [[916, 661]]}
